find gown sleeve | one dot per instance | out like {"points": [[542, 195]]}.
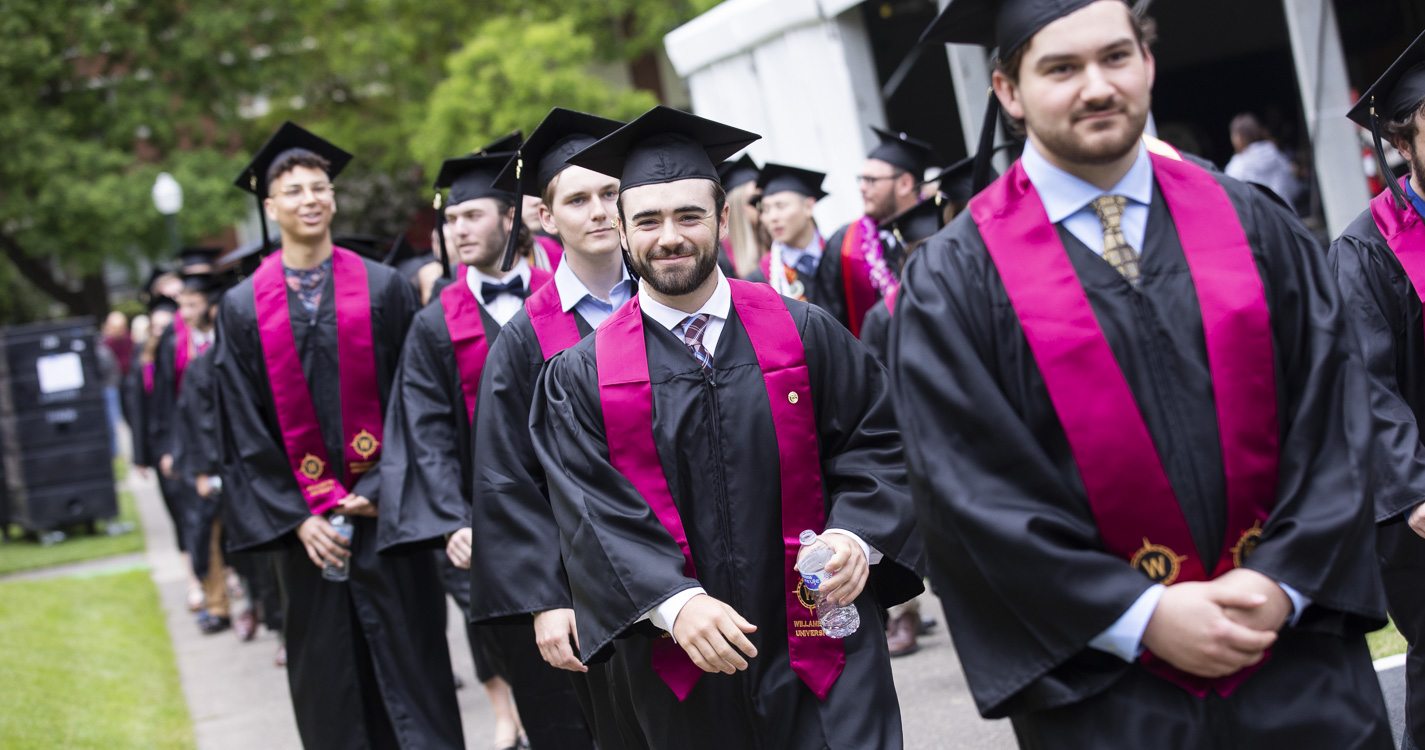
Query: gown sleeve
{"points": [[627, 561], [163, 403], [1372, 286], [512, 521], [420, 470]]}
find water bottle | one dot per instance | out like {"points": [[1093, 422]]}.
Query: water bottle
{"points": [[837, 622], [341, 571]]}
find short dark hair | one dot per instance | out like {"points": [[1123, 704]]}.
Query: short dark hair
{"points": [[293, 158], [1145, 30], [1404, 129], [718, 193], [1247, 127]]}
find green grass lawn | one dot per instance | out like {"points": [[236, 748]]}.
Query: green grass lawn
{"points": [[87, 663], [24, 554], [1385, 642]]}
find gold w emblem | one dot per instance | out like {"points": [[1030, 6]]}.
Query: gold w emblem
{"points": [[1157, 562], [365, 444]]}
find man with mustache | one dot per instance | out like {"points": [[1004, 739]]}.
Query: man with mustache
{"points": [[1126, 387], [308, 349], [687, 444], [1377, 262]]}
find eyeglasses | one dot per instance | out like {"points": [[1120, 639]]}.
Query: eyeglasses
{"points": [[866, 179], [320, 191]]}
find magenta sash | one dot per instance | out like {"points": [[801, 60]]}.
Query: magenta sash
{"points": [[148, 378], [627, 399], [555, 329], [467, 331], [1404, 233], [292, 399], [856, 277], [180, 352], [890, 298], [552, 249], [1138, 515]]}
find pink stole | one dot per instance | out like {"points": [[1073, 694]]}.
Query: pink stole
{"points": [[467, 331], [555, 329], [1138, 515], [856, 274], [148, 379], [627, 399], [552, 249], [361, 418], [180, 353], [1404, 233], [890, 298]]}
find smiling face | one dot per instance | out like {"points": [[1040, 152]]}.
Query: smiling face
{"points": [[582, 206], [671, 230], [788, 217], [1084, 86], [302, 201], [476, 232]]}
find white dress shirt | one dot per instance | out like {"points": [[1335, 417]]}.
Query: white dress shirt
{"points": [[503, 307], [573, 295], [718, 307], [784, 255], [1067, 199]]}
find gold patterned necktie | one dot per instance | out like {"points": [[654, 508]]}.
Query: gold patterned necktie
{"points": [[1116, 249]]}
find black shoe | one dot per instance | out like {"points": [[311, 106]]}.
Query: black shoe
{"points": [[210, 624]]}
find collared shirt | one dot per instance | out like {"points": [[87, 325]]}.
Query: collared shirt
{"points": [[503, 307], [199, 339], [574, 295], [718, 307], [790, 255], [1068, 199]]}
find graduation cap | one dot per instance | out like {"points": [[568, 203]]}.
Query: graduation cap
{"points": [[159, 302], [503, 144], [1003, 24], [191, 258], [956, 181], [288, 139], [777, 178], [903, 152], [154, 275], [562, 133], [917, 222], [738, 172], [663, 145], [1394, 96], [470, 178]]}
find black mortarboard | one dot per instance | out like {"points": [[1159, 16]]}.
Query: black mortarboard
{"points": [[664, 145], [917, 222], [957, 180], [289, 137], [735, 173], [473, 177], [1392, 97], [561, 134], [1005, 24], [777, 178], [199, 281], [503, 144], [903, 152], [160, 302], [189, 257], [1002, 24]]}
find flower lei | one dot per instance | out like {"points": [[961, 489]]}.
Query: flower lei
{"points": [[881, 276]]}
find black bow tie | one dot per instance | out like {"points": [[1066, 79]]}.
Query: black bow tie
{"points": [[491, 292]]}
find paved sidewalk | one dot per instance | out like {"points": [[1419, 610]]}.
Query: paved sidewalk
{"points": [[238, 699]]}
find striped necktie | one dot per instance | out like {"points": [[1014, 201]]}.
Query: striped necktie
{"points": [[693, 328], [1116, 249]]}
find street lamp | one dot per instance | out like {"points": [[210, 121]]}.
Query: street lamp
{"points": [[168, 199]]}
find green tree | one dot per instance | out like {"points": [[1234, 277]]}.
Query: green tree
{"points": [[508, 77]]}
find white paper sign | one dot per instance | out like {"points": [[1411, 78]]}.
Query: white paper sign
{"points": [[61, 372]]}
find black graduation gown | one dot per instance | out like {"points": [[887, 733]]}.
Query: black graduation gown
{"points": [[1014, 549], [821, 289], [1389, 324], [134, 402], [830, 287], [428, 479], [512, 523], [713, 444], [367, 662], [876, 331], [160, 429], [196, 451]]}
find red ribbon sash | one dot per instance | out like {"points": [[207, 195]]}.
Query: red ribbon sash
{"points": [[1136, 510], [1404, 233], [627, 400], [292, 399], [856, 277], [555, 329], [467, 331], [180, 352]]}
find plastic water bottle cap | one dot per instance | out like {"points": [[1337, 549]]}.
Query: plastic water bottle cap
{"points": [[808, 538]]}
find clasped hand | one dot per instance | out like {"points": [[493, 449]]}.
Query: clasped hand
{"points": [[1219, 627]]}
